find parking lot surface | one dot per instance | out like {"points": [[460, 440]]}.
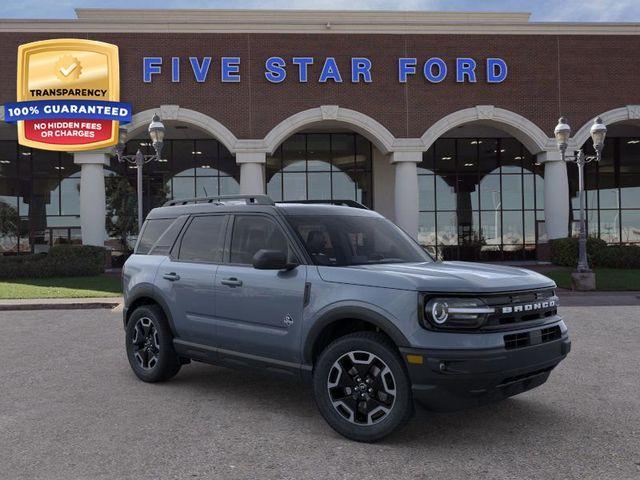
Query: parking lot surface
{"points": [[70, 408]]}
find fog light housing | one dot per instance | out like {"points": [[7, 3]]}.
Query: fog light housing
{"points": [[456, 312]]}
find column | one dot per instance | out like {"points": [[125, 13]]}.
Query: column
{"points": [[93, 210], [556, 194], [406, 190], [251, 172]]}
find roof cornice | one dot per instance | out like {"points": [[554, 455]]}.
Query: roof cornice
{"points": [[309, 21]]}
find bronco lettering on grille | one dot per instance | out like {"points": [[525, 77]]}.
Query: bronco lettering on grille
{"points": [[529, 307]]}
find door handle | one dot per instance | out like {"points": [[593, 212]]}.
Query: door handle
{"points": [[172, 277], [231, 282]]}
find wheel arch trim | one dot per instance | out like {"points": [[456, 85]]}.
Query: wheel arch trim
{"points": [[352, 312], [147, 291]]}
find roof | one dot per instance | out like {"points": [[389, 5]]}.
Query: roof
{"points": [[310, 21]]}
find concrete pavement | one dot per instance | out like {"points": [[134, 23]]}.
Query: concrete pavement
{"points": [[70, 408]]}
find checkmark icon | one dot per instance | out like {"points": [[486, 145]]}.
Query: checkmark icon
{"points": [[66, 71]]}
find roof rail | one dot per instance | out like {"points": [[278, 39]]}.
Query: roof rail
{"points": [[344, 203], [221, 199]]}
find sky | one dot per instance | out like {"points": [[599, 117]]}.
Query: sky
{"points": [[542, 10]]}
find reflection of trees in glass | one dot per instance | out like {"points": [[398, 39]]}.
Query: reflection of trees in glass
{"points": [[9, 222], [121, 219]]}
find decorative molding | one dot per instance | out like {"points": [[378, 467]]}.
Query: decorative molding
{"points": [[308, 21], [169, 112], [382, 138], [634, 112], [527, 132], [210, 125], [628, 112], [329, 112], [484, 112]]}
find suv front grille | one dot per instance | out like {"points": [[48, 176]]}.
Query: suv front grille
{"points": [[534, 337], [515, 308]]}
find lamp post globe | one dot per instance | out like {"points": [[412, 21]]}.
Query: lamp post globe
{"points": [[598, 133], [562, 133], [156, 133]]}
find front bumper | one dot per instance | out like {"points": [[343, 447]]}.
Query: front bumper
{"points": [[451, 379]]}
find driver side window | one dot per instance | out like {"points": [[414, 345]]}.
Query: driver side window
{"points": [[255, 232]]}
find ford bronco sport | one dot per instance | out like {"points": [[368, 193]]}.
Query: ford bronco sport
{"points": [[338, 296]]}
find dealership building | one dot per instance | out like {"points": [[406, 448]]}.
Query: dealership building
{"points": [[442, 122]]}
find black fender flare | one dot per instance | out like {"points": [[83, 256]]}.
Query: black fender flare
{"points": [[148, 291], [351, 312]]}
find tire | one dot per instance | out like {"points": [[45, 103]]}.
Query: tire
{"points": [[149, 345], [370, 402]]}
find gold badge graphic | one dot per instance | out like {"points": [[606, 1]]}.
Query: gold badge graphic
{"points": [[66, 77]]}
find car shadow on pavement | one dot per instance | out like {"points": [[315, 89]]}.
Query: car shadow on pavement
{"points": [[507, 420]]}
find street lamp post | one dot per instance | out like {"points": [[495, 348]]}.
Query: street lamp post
{"points": [[562, 133], [156, 133]]}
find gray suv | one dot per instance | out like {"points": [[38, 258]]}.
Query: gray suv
{"points": [[336, 295]]}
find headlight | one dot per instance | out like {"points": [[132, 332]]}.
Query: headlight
{"points": [[456, 312]]}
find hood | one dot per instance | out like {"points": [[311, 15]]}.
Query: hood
{"points": [[459, 277]]}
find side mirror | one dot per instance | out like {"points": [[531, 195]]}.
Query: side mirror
{"points": [[271, 260]]}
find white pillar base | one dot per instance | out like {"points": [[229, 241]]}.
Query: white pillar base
{"points": [[93, 209], [251, 172], [406, 190], [556, 195]]}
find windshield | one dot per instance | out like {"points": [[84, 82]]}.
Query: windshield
{"points": [[341, 241]]}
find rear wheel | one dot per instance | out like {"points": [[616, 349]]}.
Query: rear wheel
{"points": [[362, 388], [150, 345]]}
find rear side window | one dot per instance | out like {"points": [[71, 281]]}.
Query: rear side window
{"points": [[151, 232], [167, 239], [204, 239]]}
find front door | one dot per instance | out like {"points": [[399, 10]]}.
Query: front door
{"points": [[259, 312]]}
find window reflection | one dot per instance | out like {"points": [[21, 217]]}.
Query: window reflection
{"points": [[612, 190], [479, 199], [321, 166]]}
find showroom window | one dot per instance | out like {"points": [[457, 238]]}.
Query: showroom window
{"points": [[612, 190], [39, 199], [480, 199], [321, 166]]}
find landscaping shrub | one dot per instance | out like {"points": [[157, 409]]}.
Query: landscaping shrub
{"points": [[61, 261], [564, 252]]}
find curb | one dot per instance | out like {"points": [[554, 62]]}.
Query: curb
{"points": [[72, 305]]}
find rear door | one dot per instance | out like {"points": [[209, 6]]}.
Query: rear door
{"points": [[259, 311], [187, 277]]}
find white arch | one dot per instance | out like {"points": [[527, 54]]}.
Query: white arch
{"points": [[531, 136], [382, 138], [141, 120], [630, 112]]}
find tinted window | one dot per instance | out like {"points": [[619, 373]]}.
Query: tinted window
{"points": [[343, 241], [151, 233], [167, 239], [204, 239], [253, 233]]}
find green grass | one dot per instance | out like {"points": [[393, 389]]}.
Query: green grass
{"points": [[68, 287], [607, 279]]}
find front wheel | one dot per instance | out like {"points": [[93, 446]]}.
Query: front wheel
{"points": [[362, 388], [150, 345]]}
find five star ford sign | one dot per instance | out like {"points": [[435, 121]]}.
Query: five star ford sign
{"points": [[68, 95]]}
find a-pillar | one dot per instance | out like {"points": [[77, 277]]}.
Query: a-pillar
{"points": [[406, 190], [93, 208], [251, 172], [556, 194]]}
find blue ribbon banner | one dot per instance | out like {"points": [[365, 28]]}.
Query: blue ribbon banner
{"points": [[67, 109]]}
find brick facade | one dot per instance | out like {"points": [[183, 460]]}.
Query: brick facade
{"points": [[578, 76]]}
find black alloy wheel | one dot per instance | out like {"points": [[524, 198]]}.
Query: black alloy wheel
{"points": [[149, 345], [361, 386]]}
